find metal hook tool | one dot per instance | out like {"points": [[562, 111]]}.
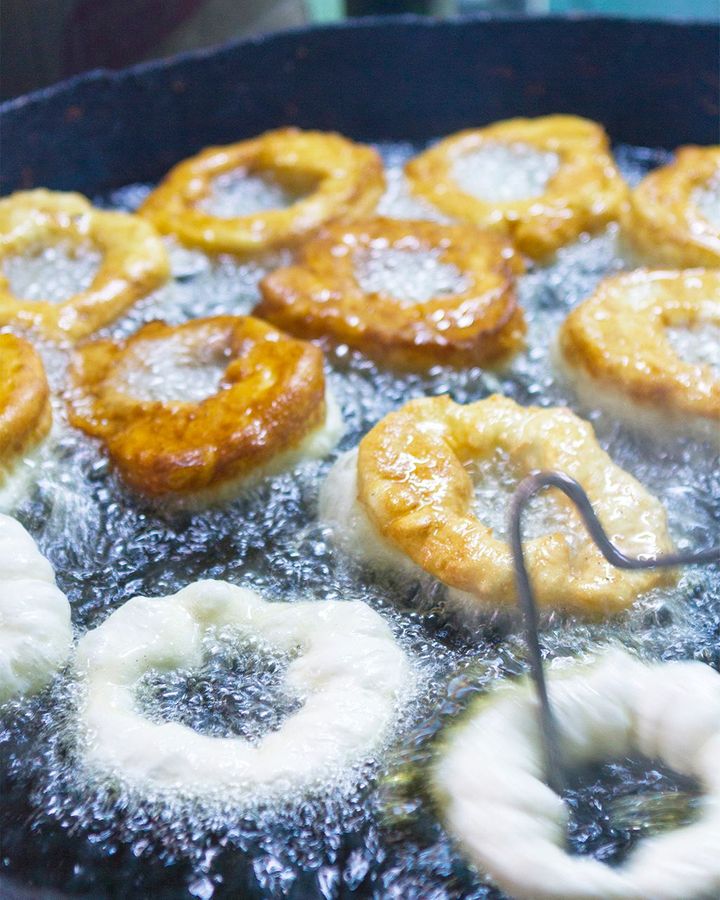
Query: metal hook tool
{"points": [[527, 489]]}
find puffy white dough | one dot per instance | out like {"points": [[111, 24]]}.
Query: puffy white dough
{"points": [[35, 629], [341, 511], [489, 779], [348, 670]]}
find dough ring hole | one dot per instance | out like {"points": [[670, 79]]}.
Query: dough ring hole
{"points": [[252, 190], [238, 691], [54, 272], [495, 478], [175, 371], [615, 805], [697, 344], [414, 276]]}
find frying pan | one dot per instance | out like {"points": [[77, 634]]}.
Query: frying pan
{"points": [[400, 78]]}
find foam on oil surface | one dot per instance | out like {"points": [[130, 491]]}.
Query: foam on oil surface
{"points": [[238, 692], [52, 273], [415, 276], [169, 370], [501, 173], [699, 345], [707, 199], [241, 193], [108, 547], [494, 482]]}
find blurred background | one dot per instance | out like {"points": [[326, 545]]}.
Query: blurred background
{"points": [[44, 41]]}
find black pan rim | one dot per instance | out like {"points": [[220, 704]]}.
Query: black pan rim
{"points": [[364, 23]]}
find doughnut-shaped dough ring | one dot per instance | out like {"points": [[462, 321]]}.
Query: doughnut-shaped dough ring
{"points": [[585, 193], [25, 413], [321, 296], [489, 779], [35, 630], [616, 349], [266, 410], [349, 671], [405, 500], [134, 261], [343, 180], [664, 222]]}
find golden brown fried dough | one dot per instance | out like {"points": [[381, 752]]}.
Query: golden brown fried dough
{"points": [[418, 494], [616, 347], [336, 178], [25, 414], [584, 194], [134, 261], [321, 296], [665, 222], [270, 397]]}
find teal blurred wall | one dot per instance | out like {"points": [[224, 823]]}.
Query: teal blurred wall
{"points": [[661, 9]]}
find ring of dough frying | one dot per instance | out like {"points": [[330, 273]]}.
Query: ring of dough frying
{"points": [[341, 179], [320, 296], [488, 779], [134, 261], [585, 193], [268, 411], [25, 412], [404, 500], [615, 347], [664, 223], [347, 668]]}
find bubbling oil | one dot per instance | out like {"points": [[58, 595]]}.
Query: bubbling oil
{"points": [[54, 273], [707, 199], [414, 276], [169, 371], [494, 482], [363, 834], [237, 692], [698, 345], [243, 193], [502, 173]]}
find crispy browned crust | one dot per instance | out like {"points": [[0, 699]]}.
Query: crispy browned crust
{"points": [[662, 222], [585, 194], [414, 486], [617, 338], [344, 180], [273, 394], [25, 413], [134, 261], [320, 297]]}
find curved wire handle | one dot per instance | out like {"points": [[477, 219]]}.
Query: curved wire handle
{"points": [[527, 489]]}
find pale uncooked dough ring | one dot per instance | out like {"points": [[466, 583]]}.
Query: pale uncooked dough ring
{"points": [[348, 669], [35, 631], [488, 779]]}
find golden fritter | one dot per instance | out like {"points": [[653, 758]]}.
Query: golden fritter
{"points": [[133, 261], [471, 318]]}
